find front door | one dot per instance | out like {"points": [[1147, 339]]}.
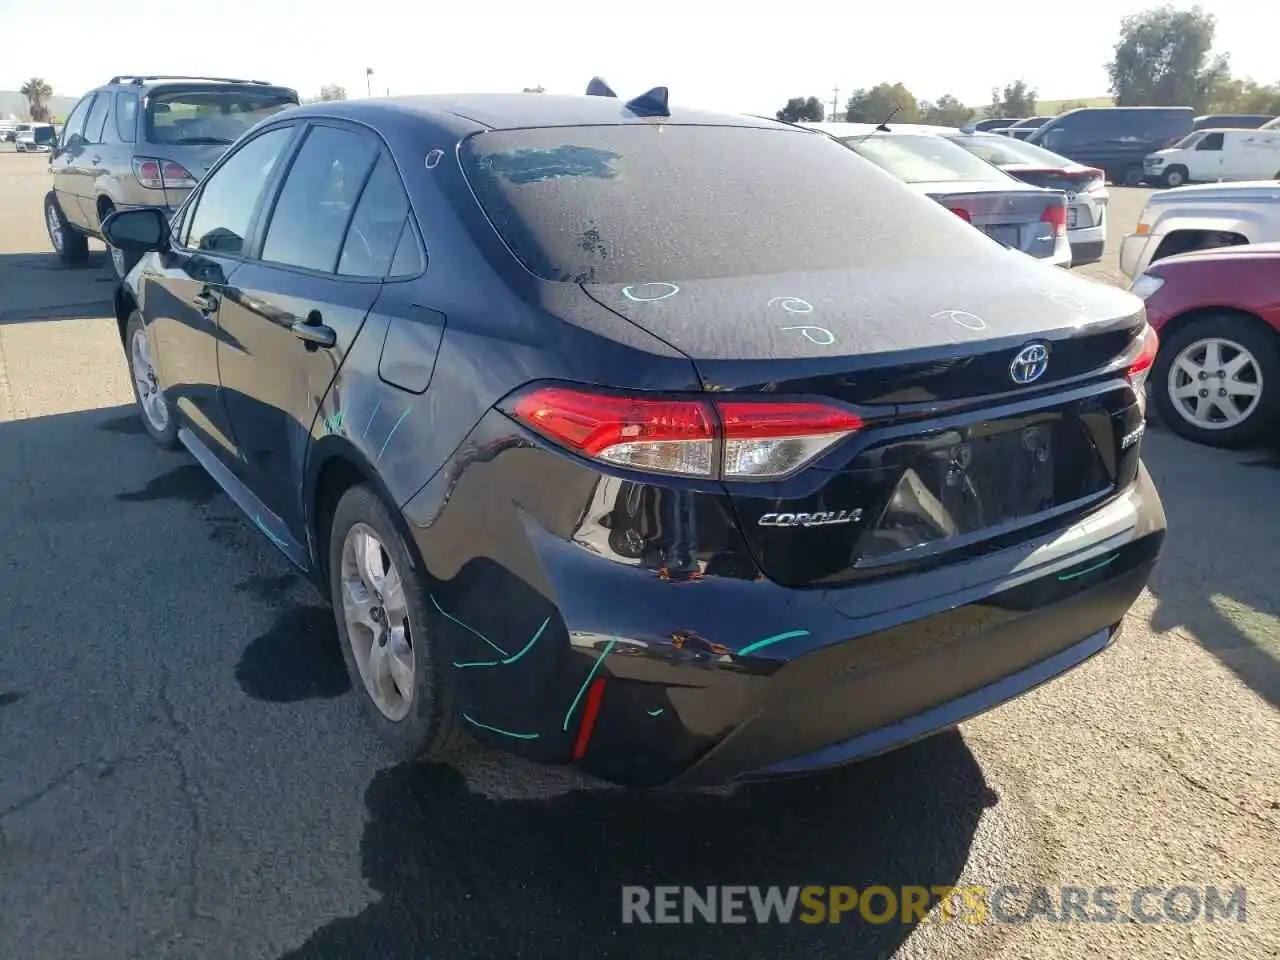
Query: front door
{"points": [[185, 306], [1206, 158], [86, 162], [299, 306], [62, 164]]}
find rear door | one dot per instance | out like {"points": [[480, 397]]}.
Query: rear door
{"points": [[1258, 154], [87, 164], [295, 310]]}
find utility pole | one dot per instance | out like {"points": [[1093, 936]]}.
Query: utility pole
{"points": [[368, 81], [835, 102]]}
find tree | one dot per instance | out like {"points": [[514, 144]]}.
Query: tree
{"points": [[802, 108], [331, 91], [538, 89], [882, 101], [37, 92], [947, 112], [1017, 101], [1162, 59]]}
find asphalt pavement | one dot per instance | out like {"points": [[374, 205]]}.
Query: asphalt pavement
{"points": [[184, 774]]}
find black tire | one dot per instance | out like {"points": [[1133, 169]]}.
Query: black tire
{"points": [[1254, 337], [128, 260], [165, 437], [1175, 176], [71, 246], [431, 729], [1132, 176]]}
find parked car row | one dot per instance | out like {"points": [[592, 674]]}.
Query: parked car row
{"points": [[677, 446]]}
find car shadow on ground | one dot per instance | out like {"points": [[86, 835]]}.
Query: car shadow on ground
{"points": [[461, 874], [1209, 581], [39, 286]]}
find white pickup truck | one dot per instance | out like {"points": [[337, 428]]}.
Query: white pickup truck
{"points": [[1200, 217]]}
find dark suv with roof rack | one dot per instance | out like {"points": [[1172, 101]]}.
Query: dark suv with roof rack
{"points": [[144, 141]]}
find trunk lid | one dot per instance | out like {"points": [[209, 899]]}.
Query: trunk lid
{"points": [[1018, 219], [954, 452]]}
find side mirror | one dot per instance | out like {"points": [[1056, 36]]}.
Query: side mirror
{"points": [[138, 231]]}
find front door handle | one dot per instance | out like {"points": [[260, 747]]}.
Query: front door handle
{"points": [[314, 333], [205, 303]]}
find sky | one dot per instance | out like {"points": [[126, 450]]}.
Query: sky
{"points": [[741, 56]]}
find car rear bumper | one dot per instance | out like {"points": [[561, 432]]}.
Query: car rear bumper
{"points": [[573, 645]]}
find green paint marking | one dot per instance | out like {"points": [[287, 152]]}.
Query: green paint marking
{"points": [[464, 626], [587, 682], [1081, 573], [499, 730], [656, 713], [333, 424], [769, 641], [506, 660]]}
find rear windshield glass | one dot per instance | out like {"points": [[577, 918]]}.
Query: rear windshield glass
{"points": [[923, 159], [1006, 150], [216, 116], [620, 204]]}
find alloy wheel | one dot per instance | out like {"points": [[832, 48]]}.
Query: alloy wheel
{"points": [[117, 261], [151, 399], [55, 226], [376, 614], [1215, 383]]}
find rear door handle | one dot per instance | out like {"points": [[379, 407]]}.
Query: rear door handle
{"points": [[205, 302], [316, 333]]}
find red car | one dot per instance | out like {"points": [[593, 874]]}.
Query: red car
{"points": [[1216, 379]]}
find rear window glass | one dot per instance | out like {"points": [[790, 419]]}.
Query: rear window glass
{"points": [[923, 159], [214, 116], [1006, 150], [621, 204]]}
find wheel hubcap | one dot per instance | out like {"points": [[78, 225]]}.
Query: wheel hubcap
{"points": [[377, 619], [148, 387], [117, 260], [55, 227], [1215, 384]]}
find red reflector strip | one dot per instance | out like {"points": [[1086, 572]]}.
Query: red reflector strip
{"points": [[594, 695], [962, 213]]}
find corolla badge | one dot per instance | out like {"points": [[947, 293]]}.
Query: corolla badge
{"points": [[1029, 364], [820, 518]]}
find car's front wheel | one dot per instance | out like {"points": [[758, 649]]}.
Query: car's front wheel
{"points": [[69, 244], [389, 638], [157, 417], [1217, 380], [1175, 176]]}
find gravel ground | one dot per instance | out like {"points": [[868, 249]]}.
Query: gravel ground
{"points": [[184, 775]]}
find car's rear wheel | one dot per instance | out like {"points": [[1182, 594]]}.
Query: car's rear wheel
{"points": [[1175, 176], [69, 244], [1217, 381], [1132, 176], [156, 415], [389, 638]]}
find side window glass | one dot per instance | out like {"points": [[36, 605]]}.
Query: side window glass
{"points": [[231, 193], [73, 129], [1211, 141], [318, 196], [377, 224], [127, 117], [97, 119], [408, 259]]}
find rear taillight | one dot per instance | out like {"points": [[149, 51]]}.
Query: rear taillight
{"points": [[1056, 216], [1097, 180], [159, 174], [962, 213], [1141, 366], [730, 439]]}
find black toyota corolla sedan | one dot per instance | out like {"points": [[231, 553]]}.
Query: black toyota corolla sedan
{"points": [[679, 446]]}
